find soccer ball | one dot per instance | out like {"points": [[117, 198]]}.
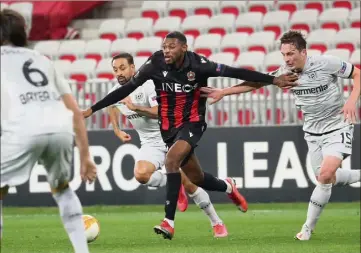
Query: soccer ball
{"points": [[92, 228]]}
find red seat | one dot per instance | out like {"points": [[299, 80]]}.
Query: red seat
{"points": [[245, 117], [342, 4], [314, 5], [290, 7], [135, 35], [178, 13], [108, 36], [150, 14]]}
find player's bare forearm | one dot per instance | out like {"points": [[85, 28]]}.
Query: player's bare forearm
{"points": [[243, 88], [114, 117], [150, 112], [356, 90]]}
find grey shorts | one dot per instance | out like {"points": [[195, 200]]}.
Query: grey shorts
{"points": [[153, 153], [19, 156], [337, 143]]}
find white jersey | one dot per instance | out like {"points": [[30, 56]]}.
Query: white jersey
{"points": [[147, 128], [31, 90], [318, 94]]}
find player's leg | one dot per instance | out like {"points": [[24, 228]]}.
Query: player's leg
{"points": [[57, 159]]}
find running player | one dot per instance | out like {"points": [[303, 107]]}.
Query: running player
{"points": [[178, 75], [328, 123], [36, 96], [141, 109]]}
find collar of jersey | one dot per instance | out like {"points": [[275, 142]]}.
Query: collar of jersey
{"points": [[186, 63]]}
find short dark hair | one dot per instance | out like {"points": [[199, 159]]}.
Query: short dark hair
{"points": [[127, 56], [177, 35], [12, 28], [295, 38]]}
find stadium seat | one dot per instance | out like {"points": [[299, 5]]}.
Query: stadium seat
{"points": [[249, 22], [97, 49], [335, 18], [139, 61], [251, 60], [344, 54], [276, 21], [315, 5], [104, 69], [3, 6], [234, 43], [261, 41], [48, 48], [26, 10], [311, 52], [348, 38], [342, 4], [208, 8], [71, 50], [165, 25], [207, 44], [223, 58], [354, 18], [195, 25], [89, 34], [190, 42], [280, 116], [139, 27], [273, 61], [112, 29], [321, 39], [179, 9], [246, 116], [63, 66], [83, 69], [148, 45], [128, 45], [290, 6], [260, 6], [233, 7], [221, 24], [153, 9], [355, 58], [304, 20]]}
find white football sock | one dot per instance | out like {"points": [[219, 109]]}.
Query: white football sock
{"points": [[201, 199], [346, 176], [229, 187], [1, 219], [71, 214], [158, 179], [319, 198]]}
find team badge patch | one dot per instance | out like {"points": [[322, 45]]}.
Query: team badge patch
{"points": [[191, 76], [139, 96]]}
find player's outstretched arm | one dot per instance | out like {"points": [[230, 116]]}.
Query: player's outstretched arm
{"points": [[150, 112], [114, 116]]}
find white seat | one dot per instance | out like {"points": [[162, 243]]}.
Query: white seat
{"points": [[165, 25], [139, 27], [273, 60], [304, 20], [221, 24], [97, 49], [334, 18], [207, 44], [223, 58], [195, 25], [180, 9], [321, 39], [190, 42], [104, 69], [252, 60], [139, 61], [26, 10], [208, 8], [260, 6], [153, 9], [148, 45], [355, 57], [249, 22], [89, 34], [311, 52], [344, 54], [348, 38], [261, 41], [112, 29], [354, 17], [48, 48], [233, 7], [71, 50], [63, 66], [83, 69], [276, 21], [234, 43], [3, 6], [128, 45]]}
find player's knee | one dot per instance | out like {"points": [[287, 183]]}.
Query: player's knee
{"points": [[142, 174], [325, 177]]}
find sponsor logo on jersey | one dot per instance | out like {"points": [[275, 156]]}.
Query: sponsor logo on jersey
{"points": [[318, 89], [177, 87], [134, 116]]}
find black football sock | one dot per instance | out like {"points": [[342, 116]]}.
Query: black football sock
{"points": [[211, 183], [173, 185]]}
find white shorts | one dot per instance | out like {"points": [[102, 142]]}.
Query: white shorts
{"points": [[153, 153], [19, 156], [337, 143]]}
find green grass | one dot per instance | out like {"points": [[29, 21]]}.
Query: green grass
{"points": [[264, 228]]}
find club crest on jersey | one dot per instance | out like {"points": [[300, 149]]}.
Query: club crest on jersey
{"points": [[139, 96], [191, 76]]}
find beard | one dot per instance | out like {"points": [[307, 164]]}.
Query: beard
{"points": [[122, 81]]}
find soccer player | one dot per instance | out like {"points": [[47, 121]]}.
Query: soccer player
{"points": [[328, 123], [141, 108], [38, 117], [178, 75]]}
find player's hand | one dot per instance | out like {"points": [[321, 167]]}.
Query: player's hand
{"points": [[215, 94], [286, 81], [123, 136], [128, 103], [87, 113], [88, 170], [349, 111]]}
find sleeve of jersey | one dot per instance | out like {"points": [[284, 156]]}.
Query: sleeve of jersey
{"points": [[61, 84], [338, 67], [143, 74], [213, 69], [152, 95]]}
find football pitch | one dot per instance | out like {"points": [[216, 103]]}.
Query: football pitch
{"points": [[264, 228]]}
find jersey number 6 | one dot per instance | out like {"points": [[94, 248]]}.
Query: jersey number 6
{"points": [[27, 71]]}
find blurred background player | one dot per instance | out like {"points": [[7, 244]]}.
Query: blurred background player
{"points": [[328, 123], [141, 109], [35, 95]]}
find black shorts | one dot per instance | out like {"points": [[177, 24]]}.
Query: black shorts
{"points": [[189, 132]]}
